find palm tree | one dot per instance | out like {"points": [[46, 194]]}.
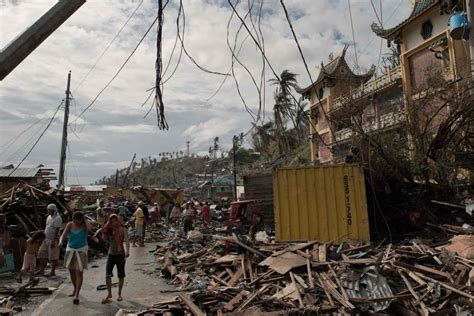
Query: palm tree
{"points": [[262, 138], [216, 146], [285, 107], [301, 120]]}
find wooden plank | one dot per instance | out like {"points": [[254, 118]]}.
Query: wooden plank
{"points": [[300, 281], [247, 247], [230, 306], [325, 289], [297, 291], [284, 263], [236, 277], [219, 280], [190, 304], [415, 295], [308, 267], [295, 248], [431, 270], [446, 286], [264, 275], [253, 296], [322, 253], [244, 268], [249, 267], [229, 272]]}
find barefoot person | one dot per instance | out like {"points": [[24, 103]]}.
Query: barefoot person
{"points": [[49, 250], [119, 246], [29, 258], [75, 258]]}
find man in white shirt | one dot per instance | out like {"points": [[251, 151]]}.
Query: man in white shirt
{"points": [[49, 249]]}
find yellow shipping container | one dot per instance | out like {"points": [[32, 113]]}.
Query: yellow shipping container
{"points": [[326, 203]]}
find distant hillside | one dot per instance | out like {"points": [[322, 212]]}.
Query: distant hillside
{"points": [[179, 172]]}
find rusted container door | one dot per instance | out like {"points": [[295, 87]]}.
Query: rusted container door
{"points": [[327, 203]]}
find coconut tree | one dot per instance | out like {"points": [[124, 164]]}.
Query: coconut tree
{"points": [[284, 108], [301, 120]]}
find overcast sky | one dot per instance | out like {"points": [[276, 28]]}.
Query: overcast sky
{"points": [[114, 128]]}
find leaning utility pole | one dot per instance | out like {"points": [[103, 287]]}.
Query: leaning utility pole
{"points": [[24, 44], [116, 178], [128, 170], [62, 159]]}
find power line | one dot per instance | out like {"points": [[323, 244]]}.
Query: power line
{"points": [[39, 138], [18, 152], [72, 163], [353, 34], [108, 46], [181, 39], [375, 11], [386, 21], [309, 74], [9, 143], [118, 71]]}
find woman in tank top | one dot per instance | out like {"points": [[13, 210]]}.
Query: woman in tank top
{"points": [[75, 258]]}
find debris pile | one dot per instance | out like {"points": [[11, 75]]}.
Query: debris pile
{"points": [[228, 275], [25, 205], [25, 209]]}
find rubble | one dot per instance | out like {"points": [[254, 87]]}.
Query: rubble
{"points": [[231, 275], [25, 209]]}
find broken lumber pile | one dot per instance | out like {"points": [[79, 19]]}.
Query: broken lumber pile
{"points": [[25, 205], [25, 209], [233, 276]]}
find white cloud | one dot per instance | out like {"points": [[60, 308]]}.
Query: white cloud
{"points": [[205, 131], [131, 129], [94, 153], [115, 124]]}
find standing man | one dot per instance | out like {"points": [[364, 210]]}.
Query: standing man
{"points": [[146, 213], [139, 226], [101, 216], [206, 214], [123, 212], [49, 249], [119, 249], [188, 217]]}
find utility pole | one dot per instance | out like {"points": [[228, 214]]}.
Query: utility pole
{"points": [[234, 146], [187, 145], [62, 159], [116, 178], [23, 45], [128, 171]]}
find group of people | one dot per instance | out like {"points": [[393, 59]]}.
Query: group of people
{"points": [[45, 246], [189, 215]]}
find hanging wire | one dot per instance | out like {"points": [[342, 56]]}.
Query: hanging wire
{"points": [[38, 139], [353, 35], [158, 101]]}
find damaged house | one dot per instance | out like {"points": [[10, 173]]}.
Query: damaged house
{"points": [[345, 105]]}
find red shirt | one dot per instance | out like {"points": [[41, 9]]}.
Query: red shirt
{"points": [[205, 211]]}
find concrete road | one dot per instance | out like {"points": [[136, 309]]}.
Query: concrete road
{"points": [[141, 290]]}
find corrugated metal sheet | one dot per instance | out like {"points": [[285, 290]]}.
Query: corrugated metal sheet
{"points": [[326, 203], [19, 173], [370, 285], [260, 188]]}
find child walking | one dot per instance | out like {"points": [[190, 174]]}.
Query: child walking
{"points": [[29, 259]]}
